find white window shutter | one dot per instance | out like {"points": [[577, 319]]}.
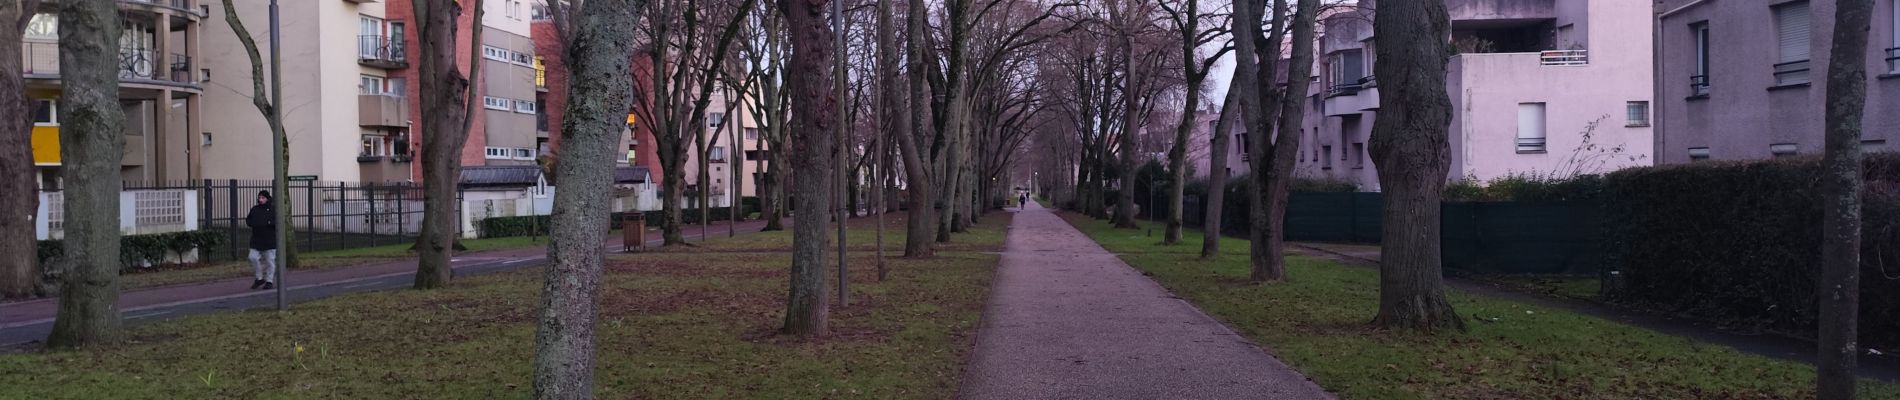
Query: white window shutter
{"points": [[1793, 23]]}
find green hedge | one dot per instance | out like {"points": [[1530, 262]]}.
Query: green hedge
{"points": [[538, 225], [138, 250], [1739, 243], [1526, 189]]}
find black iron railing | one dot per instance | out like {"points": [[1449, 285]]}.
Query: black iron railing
{"points": [[381, 50], [1792, 72], [1893, 60], [1699, 85], [1530, 145]]}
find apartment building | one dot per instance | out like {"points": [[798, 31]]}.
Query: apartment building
{"points": [[161, 87], [345, 115], [1745, 80], [551, 83], [502, 131], [727, 121], [1538, 87]]}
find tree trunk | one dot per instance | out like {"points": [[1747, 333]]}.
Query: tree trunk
{"points": [[1286, 144], [601, 90], [19, 195], [92, 139], [813, 110], [445, 113], [1839, 294], [1217, 178], [1410, 146], [1125, 199], [920, 228], [1256, 110]]}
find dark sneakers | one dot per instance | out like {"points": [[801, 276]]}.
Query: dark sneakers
{"points": [[257, 284], [269, 286]]}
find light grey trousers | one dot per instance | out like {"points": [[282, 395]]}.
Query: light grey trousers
{"points": [[264, 265]]}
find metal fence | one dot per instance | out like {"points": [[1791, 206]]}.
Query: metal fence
{"points": [[323, 215]]}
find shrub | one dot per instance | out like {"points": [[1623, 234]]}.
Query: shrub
{"points": [[1321, 185], [1526, 188], [1740, 243], [137, 251]]}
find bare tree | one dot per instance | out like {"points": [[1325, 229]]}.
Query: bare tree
{"points": [[92, 138], [685, 62], [1841, 212], [19, 261], [1410, 145], [1187, 24], [447, 104], [813, 110], [918, 240], [1286, 143], [892, 119], [601, 88], [1217, 178]]}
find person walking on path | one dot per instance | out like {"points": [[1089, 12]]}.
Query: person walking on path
{"points": [[263, 223], [1022, 201], [1066, 319]]}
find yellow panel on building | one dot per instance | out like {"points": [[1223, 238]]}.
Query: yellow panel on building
{"points": [[46, 145]]}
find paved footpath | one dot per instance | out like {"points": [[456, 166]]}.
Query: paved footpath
{"points": [[1066, 319], [26, 322]]}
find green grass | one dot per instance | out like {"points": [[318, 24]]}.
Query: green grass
{"points": [[311, 261], [693, 322], [1318, 323]]}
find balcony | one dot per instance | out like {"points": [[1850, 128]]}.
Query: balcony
{"points": [[1564, 58], [1352, 98], [382, 111], [136, 66], [1500, 10], [377, 51]]}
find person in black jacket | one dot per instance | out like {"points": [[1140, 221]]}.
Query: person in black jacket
{"points": [[263, 223]]}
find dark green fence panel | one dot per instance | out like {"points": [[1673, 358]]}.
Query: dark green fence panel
{"points": [[1333, 217], [1521, 238]]}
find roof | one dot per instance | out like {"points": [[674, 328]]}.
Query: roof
{"points": [[500, 176], [528, 175]]}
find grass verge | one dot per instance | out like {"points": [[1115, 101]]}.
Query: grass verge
{"points": [[691, 322], [311, 261], [1317, 322]]}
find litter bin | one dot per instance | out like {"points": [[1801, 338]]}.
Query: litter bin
{"points": [[633, 232]]}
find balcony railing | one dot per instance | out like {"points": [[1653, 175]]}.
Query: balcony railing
{"points": [[1893, 60], [381, 51], [1345, 89], [1368, 82], [1564, 57], [1530, 145], [1792, 73], [134, 64], [1699, 85]]}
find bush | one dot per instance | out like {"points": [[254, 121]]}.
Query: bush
{"points": [[1740, 243], [1526, 188], [539, 225], [1321, 185], [137, 251]]}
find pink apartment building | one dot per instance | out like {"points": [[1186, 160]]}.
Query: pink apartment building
{"points": [[1538, 87]]}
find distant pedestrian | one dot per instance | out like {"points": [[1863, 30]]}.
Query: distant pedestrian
{"points": [[263, 223], [1023, 201]]}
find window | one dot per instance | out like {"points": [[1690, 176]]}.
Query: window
{"points": [[755, 155], [374, 145], [46, 112], [520, 58], [1783, 149], [751, 134], [633, 153], [495, 53], [1893, 53], [495, 153], [523, 154], [1699, 83], [496, 103], [371, 85], [1872, 145], [1327, 161], [1638, 113], [371, 30], [524, 106], [1244, 148], [396, 87], [1358, 156], [1793, 34], [716, 154], [1698, 153], [43, 26], [511, 10], [1530, 127], [715, 119]]}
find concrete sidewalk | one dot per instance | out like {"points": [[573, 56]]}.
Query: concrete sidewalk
{"points": [[29, 321], [1066, 319]]}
